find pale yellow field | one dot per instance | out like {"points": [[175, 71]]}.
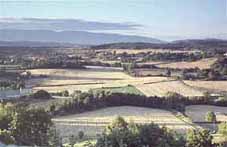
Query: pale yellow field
{"points": [[222, 117], [94, 122], [80, 74], [209, 85], [63, 79], [162, 88], [152, 63], [84, 80], [201, 64], [198, 112]]}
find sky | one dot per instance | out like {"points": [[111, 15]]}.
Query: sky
{"points": [[163, 19]]}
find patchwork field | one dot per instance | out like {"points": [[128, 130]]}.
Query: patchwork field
{"points": [[63, 79], [84, 80], [201, 64], [136, 51], [198, 112], [94, 122]]}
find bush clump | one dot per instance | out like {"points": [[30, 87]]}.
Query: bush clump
{"points": [[41, 94]]}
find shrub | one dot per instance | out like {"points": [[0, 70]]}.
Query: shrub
{"points": [[211, 117], [199, 138], [41, 94], [80, 134], [222, 129]]}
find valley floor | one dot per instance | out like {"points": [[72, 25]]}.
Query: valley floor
{"points": [[84, 80]]}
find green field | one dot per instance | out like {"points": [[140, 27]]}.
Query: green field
{"points": [[129, 89]]}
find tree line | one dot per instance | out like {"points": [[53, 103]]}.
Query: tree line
{"points": [[121, 133], [86, 101]]}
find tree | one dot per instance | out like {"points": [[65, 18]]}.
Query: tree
{"points": [[129, 67], [168, 72], [119, 122], [41, 94], [5, 116], [65, 93], [117, 134], [52, 108], [123, 134], [199, 138], [6, 137], [222, 129], [211, 117], [72, 140], [80, 135], [30, 127], [54, 139]]}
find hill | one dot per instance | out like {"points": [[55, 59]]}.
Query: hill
{"points": [[205, 44]]}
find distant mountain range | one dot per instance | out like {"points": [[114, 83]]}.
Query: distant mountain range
{"points": [[83, 39], [37, 44], [73, 37]]}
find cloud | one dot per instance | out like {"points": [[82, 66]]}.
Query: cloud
{"points": [[62, 24]]}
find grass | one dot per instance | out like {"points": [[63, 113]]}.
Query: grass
{"points": [[125, 89]]}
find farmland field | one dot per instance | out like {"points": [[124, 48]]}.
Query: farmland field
{"points": [[198, 112], [163, 87], [10, 66], [201, 64], [94, 122], [219, 86], [84, 80], [80, 74], [63, 79], [125, 89]]}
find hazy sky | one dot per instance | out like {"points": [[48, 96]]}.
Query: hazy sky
{"points": [[164, 19]]}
